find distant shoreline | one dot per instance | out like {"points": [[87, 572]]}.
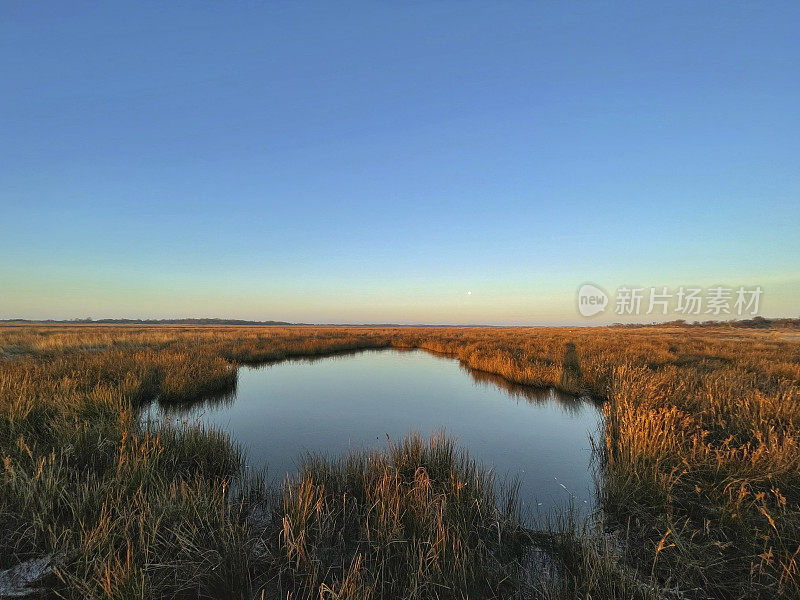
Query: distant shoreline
{"points": [[754, 323]]}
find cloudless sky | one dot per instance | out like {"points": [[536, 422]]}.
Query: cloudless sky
{"points": [[374, 162]]}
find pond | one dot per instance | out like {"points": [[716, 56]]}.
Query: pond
{"points": [[327, 405]]}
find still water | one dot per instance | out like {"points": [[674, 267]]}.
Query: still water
{"points": [[327, 405]]}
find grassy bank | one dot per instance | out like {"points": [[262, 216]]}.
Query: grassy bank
{"points": [[701, 464]]}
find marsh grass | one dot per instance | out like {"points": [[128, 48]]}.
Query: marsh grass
{"points": [[128, 513], [420, 520], [582, 559], [700, 463]]}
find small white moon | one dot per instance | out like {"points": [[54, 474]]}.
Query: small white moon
{"points": [[469, 293]]}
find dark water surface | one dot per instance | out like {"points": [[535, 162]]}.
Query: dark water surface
{"points": [[331, 404]]}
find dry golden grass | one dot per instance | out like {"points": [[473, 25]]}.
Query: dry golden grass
{"points": [[700, 461]]}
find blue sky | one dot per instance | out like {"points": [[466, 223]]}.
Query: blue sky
{"points": [[348, 162]]}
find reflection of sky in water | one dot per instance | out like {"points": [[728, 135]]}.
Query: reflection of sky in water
{"points": [[330, 404]]}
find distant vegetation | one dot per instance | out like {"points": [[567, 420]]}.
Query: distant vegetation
{"points": [[90, 321], [700, 464], [754, 323]]}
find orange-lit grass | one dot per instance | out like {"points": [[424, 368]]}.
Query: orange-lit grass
{"points": [[700, 458], [420, 520]]}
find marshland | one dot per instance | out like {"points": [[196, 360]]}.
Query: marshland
{"points": [[695, 463], [399, 300]]}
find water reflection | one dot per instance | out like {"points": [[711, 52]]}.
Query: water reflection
{"points": [[329, 404], [181, 409], [526, 393]]}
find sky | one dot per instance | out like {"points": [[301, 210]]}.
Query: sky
{"points": [[404, 162]]}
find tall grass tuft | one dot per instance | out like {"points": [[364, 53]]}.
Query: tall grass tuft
{"points": [[421, 520]]}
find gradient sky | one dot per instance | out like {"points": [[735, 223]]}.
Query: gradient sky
{"points": [[349, 162]]}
